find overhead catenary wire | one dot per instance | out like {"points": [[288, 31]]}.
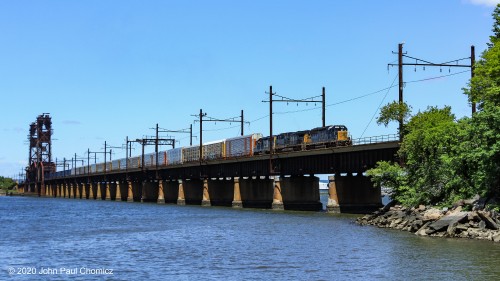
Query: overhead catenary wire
{"points": [[343, 101], [382, 101]]}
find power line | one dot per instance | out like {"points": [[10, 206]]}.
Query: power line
{"points": [[437, 77], [343, 101], [375, 113]]}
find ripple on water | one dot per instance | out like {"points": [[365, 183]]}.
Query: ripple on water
{"points": [[168, 242]]}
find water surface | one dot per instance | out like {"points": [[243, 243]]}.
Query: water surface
{"points": [[168, 242]]}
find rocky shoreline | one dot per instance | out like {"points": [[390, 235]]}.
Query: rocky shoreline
{"points": [[456, 222]]}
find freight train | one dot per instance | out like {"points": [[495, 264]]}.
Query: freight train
{"points": [[237, 147]]}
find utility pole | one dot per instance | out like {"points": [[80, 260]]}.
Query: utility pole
{"points": [[210, 119], [472, 68], [424, 63], [400, 74], [242, 122], [184, 131], [323, 111], [201, 134], [288, 100], [271, 147]]}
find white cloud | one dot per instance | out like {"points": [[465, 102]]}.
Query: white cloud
{"points": [[488, 3]]}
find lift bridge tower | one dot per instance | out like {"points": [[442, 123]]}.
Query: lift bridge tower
{"points": [[40, 154]]}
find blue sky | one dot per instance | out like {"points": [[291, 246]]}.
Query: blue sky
{"points": [[105, 70]]}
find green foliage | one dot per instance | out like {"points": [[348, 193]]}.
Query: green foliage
{"points": [[394, 111], [496, 26], [392, 176], [445, 159], [426, 148], [6, 183], [479, 152], [477, 157]]}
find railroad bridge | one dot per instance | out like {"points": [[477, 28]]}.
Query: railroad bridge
{"points": [[279, 181]]}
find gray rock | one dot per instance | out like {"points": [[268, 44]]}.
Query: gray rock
{"points": [[452, 228], [462, 227], [487, 220], [473, 200], [445, 221], [473, 217], [423, 229], [496, 237], [482, 225], [416, 225]]}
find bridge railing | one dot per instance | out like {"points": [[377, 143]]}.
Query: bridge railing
{"points": [[376, 139]]}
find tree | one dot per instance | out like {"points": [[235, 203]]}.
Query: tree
{"points": [[481, 145], [6, 183], [496, 26], [427, 173], [394, 111], [445, 159]]}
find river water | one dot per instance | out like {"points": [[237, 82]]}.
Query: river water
{"points": [[71, 239]]}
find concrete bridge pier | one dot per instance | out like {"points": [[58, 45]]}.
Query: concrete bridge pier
{"points": [[150, 191], [237, 203], [108, 187], [92, 190], [137, 191], [118, 192], [62, 190], [78, 190], [301, 193], [42, 189], [65, 190], [356, 194], [161, 196], [277, 197], [256, 192], [205, 202], [130, 191], [85, 190], [181, 199], [193, 191], [218, 192], [333, 201], [66, 193], [100, 189], [111, 190], [75, 193], [171, 191]]}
